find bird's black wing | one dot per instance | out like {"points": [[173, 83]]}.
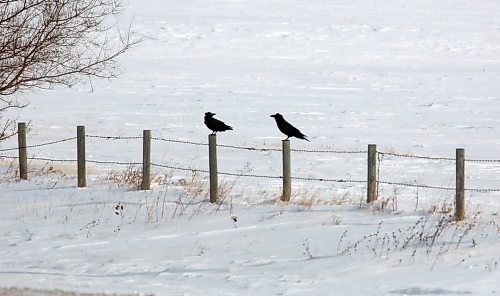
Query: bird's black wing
{"points": [[288, 129], [220, 126], [295, 131], [292, 131]]}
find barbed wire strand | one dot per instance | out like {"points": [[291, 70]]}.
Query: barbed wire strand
{"points": [[259, 176], [381, 157], [179, 141], [483, 160], [258, 149], [39, 145], [294, 150], [114, 137], [439, 187], [415, 156], [114, 162], [438, 158], [416, 185], [73, 160]]}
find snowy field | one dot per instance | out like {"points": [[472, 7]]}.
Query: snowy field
{"points": [[417, 78]]}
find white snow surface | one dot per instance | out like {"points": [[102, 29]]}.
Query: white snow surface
{"points": [[413, 77]]}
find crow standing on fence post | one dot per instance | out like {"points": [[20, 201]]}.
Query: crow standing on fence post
{"points": [[215, 125], [288, 129]]}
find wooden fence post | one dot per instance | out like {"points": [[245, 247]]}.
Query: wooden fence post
{"points": [[80, 151], [460, 185], [212, 163], [23, 154], [287, 171], [372, 174], [146, 160]]}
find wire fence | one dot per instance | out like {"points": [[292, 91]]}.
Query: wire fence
{"points": [[381, 156], [437, 158], [39, 145]]}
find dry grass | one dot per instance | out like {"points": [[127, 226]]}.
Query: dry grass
{"points": [[441, 207], [131, 177], [387, 203], [17, 291], [430, 235], [11, 172], [194, 185], [392, 150], [195, 193], [311, 199]]}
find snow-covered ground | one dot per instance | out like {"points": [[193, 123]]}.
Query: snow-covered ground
{"points": [[413, 77]]}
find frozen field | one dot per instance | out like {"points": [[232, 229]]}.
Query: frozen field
{"points": [[413, 77]]}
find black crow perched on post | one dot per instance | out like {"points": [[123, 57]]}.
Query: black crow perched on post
{"points": [[214, 124], [287, 128]]}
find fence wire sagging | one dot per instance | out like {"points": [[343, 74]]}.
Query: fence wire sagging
{"points": [[380, 156], [383, 156]]}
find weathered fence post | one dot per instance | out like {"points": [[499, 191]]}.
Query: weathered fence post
{"points": [[372, 174], [23, 154], [287, 171], [146, 160], [80, 152], [460, 185], [212, 163]]}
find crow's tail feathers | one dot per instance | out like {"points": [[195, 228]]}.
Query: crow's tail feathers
{"points": [[304, 137]]}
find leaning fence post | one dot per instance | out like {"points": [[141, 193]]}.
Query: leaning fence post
{"points": [[372, 174], [460, 185], [80, 151], [23, 154], [212, 160], [146, 160], [287, 169]]}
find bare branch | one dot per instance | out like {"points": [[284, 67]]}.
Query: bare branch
{"points": [[49, 42], [44, 43]]}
